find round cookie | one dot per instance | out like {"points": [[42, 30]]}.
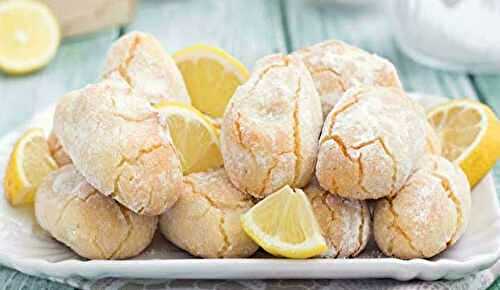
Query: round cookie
{"points": [[140, 59], [91, 224], [336, 67], [270, 129], [57, 151], [428, 215], [370, 143], [116, 141], [205, 221], [345, 223]]}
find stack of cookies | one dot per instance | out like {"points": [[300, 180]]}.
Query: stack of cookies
{"points": [[332, 119]]}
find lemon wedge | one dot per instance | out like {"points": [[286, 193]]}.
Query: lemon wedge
{"points": [[29, 163], [470, 134], [211, 75], [194, 136], [284, 225], [29, 36]]}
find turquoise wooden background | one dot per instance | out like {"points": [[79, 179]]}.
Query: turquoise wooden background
{"points": [[248, 30]]}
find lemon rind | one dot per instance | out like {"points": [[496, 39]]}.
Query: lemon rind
{"points": [[199, 51]]}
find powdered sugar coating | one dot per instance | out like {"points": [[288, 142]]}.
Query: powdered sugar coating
{"points": [[429, 214], [336, 67], [271, 126], [115, 140], [91, 224], [139, 59], [345, 224], [370, 143], [205, 221]]}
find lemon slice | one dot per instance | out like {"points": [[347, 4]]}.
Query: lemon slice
{"points": [[29, 163], [211, 75], [194, 136], [29, 36], [284, 224], [470, 134]]}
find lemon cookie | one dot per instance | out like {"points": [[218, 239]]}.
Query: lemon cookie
{"points": [[140, 59], [270, 130], [205, 221], [428, 215], [91, 224], [370, 143], [345, 223], [336, 67], [116, 141], [57, 151]]}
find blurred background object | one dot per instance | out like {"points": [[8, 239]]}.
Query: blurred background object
{"points": [[31, 30], [460, 35], [29, 36], [79, 17]]}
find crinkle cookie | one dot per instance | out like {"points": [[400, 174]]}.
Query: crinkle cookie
{"points": [[141, 61], [270, 130], [91, 224], [370, 143], [116, 141], [205, 221], [57, 151], [428, 215], [336, 67], [345, 223]]}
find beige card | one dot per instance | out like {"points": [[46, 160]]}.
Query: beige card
{"points": [[80, 17]]}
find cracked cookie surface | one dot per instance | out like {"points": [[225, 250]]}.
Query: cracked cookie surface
{"points": [[115, 140], [140, 60], [91, 224], [345, 223], [336, 67], [270, 129], [428, 215], [205, 221], [370, 143]]}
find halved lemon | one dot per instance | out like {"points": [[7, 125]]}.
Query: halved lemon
{"points": [[470, 133], [211, 75], [29, 163], [29, 36], [284, 225], [194, 136]]}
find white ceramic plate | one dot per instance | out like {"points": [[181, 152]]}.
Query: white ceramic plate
{"points": [[25, 247]]}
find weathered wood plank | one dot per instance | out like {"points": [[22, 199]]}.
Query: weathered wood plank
{"points": [[369, 28], [248, 30], [12, 279], [489, 88], [77, 63]]}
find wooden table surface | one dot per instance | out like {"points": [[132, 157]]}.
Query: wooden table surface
{"points": [[248, 30]]}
